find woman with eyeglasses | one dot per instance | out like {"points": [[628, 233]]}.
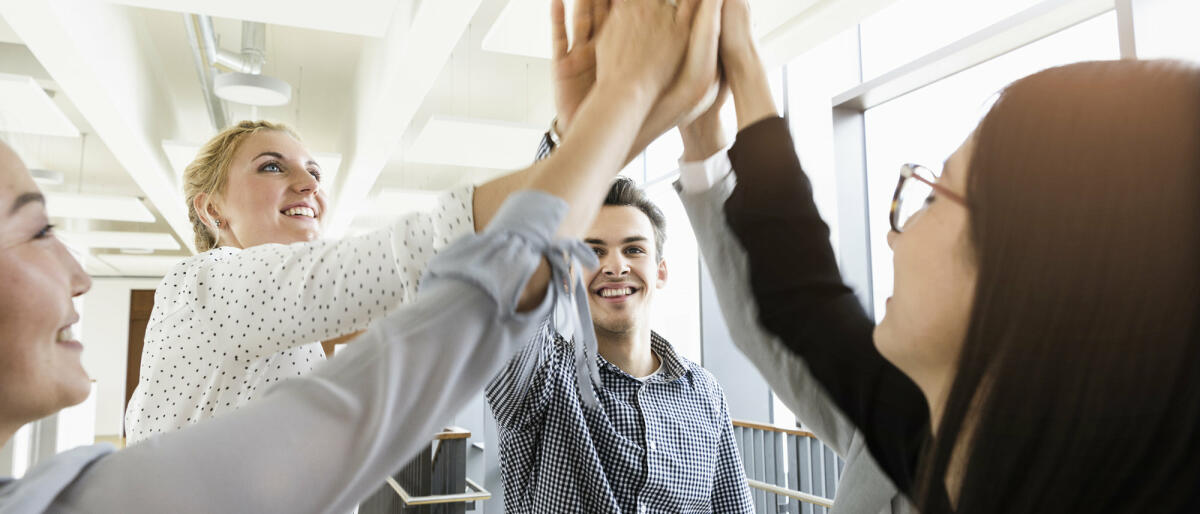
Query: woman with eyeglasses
{"points": [[323, 441], [1039, 352]]}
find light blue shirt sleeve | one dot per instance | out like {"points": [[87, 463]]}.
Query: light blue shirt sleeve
{"points": [[322, 442]]}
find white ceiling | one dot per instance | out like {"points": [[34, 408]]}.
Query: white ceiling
{"points": [[404, 97]]}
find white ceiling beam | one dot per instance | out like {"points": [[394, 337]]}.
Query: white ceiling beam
{"points": [[100, 57], [394, 77], [358, 17]]}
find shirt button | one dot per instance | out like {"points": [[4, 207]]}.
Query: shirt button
{"points": [[651, 445], [642, 509]]}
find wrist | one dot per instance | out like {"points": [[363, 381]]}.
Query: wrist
{"points": [[702, 139], [741, 64], [625, 93]]}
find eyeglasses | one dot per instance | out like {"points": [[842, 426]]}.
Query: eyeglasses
{"points": [[915, 191]]}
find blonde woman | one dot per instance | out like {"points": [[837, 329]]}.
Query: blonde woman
{"points": [[250, 310], [253, 306]]}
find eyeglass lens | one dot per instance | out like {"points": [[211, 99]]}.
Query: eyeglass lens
{"points": [[913, 196]]}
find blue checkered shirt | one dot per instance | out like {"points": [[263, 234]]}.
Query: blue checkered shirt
{"points": [[665, 445]]}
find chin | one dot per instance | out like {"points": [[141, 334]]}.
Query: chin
{"points": [[75, 385], [883, 337], [614, 326], [76, 392]]}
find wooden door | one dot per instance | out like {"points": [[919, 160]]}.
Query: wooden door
{"points": [[141, 303]]}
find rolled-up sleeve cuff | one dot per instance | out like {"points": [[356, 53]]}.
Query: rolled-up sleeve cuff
{"points": [[699, 176], [502, 258]]}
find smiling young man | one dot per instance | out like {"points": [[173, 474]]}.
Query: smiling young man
{"points": [[659, 439]]}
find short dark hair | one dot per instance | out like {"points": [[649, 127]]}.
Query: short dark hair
{"points": [[625, 192]]}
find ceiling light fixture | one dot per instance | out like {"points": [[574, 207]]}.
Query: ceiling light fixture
{"points": [[98, 207], [250, 89], [47, 177], [244, 82]]}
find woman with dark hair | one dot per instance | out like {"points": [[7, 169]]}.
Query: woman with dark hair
{"points": [[1038, 353]]}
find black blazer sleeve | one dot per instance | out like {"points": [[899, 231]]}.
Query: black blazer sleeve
{"points": [[802, 299]]}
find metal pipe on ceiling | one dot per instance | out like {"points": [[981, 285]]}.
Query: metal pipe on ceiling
{"points": [[201, 49], [253, 48]]}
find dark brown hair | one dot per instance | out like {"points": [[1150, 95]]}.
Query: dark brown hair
{"points": [[1084, 198], [625, 192]]}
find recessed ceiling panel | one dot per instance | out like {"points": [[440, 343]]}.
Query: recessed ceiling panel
{"points": [[475, 143], [140, 265], [97, 207], [128, 240], [25, 108]]}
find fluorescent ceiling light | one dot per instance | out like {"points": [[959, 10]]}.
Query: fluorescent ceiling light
{"points": [[26, 108], [523, 27], [475, 143], [395, 203], [125, 240], [250, 89], [47, 177], [391, 204], [180, 154], [140, 265], [98, 207]]}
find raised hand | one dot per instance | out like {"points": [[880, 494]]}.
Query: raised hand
{"points": [[743, 67], [704, 136], [644, 42], [698, 82], [737, 38], [574, 64]]}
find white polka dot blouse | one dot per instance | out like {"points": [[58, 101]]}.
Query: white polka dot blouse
{"points": [[229, 322]]}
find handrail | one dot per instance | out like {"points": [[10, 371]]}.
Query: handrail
{"points": [[480, 494], [452, 433], [773, 428], [796, 495]]}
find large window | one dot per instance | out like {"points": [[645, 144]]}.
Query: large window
{"points": [[908, 29], [926, 125]]}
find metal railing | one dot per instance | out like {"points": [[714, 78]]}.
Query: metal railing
{"points": [[788, 470], [434, 482]]}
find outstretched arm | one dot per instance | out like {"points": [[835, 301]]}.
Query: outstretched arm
{"points": [[797, 287]]}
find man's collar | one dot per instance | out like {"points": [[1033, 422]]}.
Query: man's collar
{"points": [[673, 367]]}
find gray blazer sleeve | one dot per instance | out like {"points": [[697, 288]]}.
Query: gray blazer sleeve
{"points": [[863, 489], [322, 442]]}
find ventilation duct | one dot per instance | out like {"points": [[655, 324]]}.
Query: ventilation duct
{"points": [[242, 81]]}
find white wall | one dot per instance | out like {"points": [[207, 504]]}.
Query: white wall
{"points": [[105, 336]]}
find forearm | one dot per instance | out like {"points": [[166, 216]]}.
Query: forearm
{"points": [[751, 91], [703, 138], [784, 370], [580, 171], [802, 300], [490, 195], [360, 416]]}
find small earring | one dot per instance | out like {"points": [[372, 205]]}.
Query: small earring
{"points": [[218, 223]]}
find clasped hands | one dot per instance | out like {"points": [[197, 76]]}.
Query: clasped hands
{"points": [[670, 52]]}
